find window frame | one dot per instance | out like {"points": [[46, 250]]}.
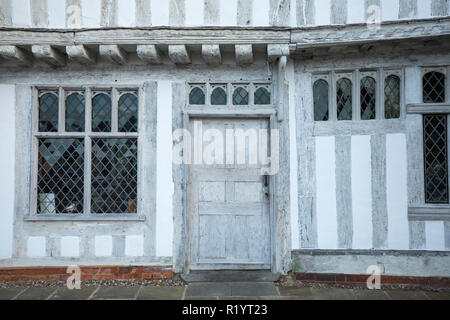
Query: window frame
{"points": [[356, 76], [87, 136]]}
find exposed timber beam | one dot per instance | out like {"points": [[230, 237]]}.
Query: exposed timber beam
{"points": [[179, 54], [275, 51], [113, 53], [16, 54], [211, 54], [81, 54], [49, 55], [244, 54], [149, 53]]}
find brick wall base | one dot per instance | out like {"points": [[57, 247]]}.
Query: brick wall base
{"points": [[360, 281], [87, 273]]}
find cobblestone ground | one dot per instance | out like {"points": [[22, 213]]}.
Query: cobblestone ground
{"points": [[177, 290]]}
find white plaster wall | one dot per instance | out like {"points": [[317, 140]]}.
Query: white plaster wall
{"points": [[361, 171], [323, 12], [326, 193], [21, 13], [435, 235], [164, 184], [103, 246], [70, 247], [56, 14], [261, 11], [228, 12], [91, 12], [134, 246], [160, 12], [397, 191], [126, 11], [36, 247], [355, 11], [423, 9], [389, 10], [7, 166], [194, 12]]}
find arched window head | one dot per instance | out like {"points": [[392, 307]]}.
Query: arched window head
{"points": [[434, 87], [392, 97], [320, 93], [197, 96], [219, 97], [48, 112], [262, 96], [368, 98], [240, 97], [344, 99], [75, 112], [128, 113], [101, 113]]}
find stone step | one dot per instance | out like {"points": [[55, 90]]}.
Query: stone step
{"points": [[231, 276]]}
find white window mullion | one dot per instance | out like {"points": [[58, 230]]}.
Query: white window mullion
{"points": [[379, 95], [87, 152], [356, 101], [34, 154], [332, 98], [61, 110], [114, 110]]}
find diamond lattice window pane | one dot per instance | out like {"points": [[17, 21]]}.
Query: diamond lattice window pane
{"points": [[219, 97], [240, 97], [320, 92], [435, 158], [75, 113], [101, 113], [344, 99], [197, 96], [114, 176], [60, 179], [368, 100], [434, 87], [392, 97], [128, 113], [48, 112], [262, 96]]}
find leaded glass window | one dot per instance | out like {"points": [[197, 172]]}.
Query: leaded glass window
{"points": [[48, 112], [75, 116], [240, 96], [71, 157], [435, 158], [392, 97], [262, 96], [197, 96], [434, 87], [101, 113], [344, 99], [219, 96], [114, 176], [368, 98], [321, 100], [60, 181], [128, 112]]}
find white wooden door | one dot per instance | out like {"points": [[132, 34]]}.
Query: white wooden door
{"points": [[229, 205]]}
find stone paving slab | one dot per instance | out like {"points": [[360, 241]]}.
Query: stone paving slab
{"points": [[305, 293], [406, 295], [208, 290], [9, 293], [160, 293], [36, 293], [370, 295], [65, 294], [332, 294], [260, 289], [438, 295], [116, 293]]}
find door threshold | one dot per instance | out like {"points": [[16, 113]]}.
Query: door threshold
{"points": [[231, 276]]}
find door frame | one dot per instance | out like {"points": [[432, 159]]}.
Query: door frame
{"points": [[192, 116]]}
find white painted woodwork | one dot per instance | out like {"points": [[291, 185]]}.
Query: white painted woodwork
{"points": [[228, 204]]}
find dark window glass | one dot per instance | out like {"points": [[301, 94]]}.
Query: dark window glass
{"points": [[240, 97], [128, 113], [344, 99], [114, 176], [75, 112], [392, 97], [219, 97], [101, 113], [368, 98], [60, 180], [434, 87], [435, 158], [262, 96], [320, 92], [196, 96], [48, 112]]}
